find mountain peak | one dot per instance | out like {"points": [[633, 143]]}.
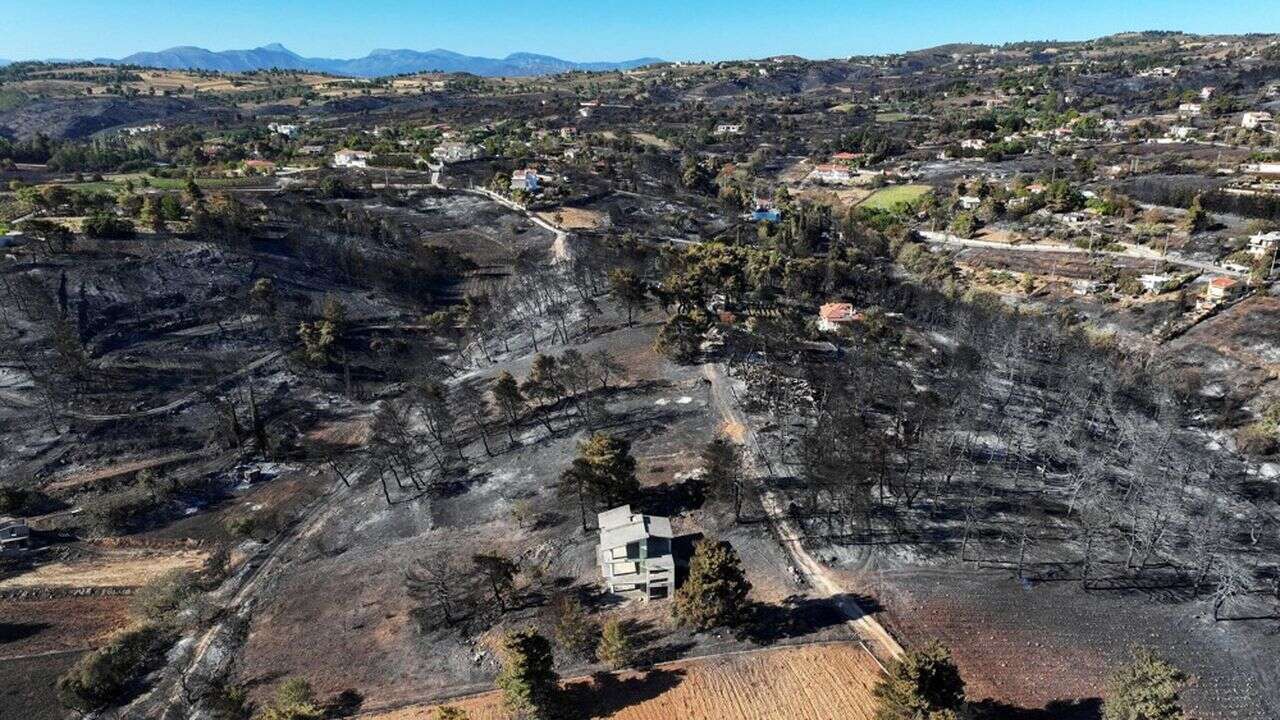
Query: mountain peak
{"points": [[277, 47]]}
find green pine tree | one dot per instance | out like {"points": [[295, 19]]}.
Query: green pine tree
{"points": [[923, 684], [612, 469], [530, 686], [715, 593], [615, 649]]}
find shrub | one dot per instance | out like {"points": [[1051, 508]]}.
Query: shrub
{"points": [[295, 700], [104, 676], [161, 599], [1256, 439], [1146, 689], [121, 512], [108, 227]]}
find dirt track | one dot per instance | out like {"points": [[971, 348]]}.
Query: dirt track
{"points": [[875, 638]]}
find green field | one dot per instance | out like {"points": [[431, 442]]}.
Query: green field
{"points": [[890, 116], [887, 198]]}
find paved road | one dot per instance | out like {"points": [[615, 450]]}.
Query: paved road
{"points": [[1132, 253], [879, 643]]}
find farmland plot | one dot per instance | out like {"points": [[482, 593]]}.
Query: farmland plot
{"points": [[813, 682]]}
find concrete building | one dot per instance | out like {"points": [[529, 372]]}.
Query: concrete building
{"points": [[635, 554]]}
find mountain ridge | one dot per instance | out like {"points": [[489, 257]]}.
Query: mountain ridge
{"points": [[378, 63]]}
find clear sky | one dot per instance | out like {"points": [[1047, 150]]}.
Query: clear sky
{"points": [[594, 29]]}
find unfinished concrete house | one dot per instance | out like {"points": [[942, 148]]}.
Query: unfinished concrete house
{"points": [[635, 554]]}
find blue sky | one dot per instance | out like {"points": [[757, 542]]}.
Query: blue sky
{"points": [[593, 29]]}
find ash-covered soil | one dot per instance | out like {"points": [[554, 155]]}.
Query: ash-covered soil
{"points": [[1028, 644]]}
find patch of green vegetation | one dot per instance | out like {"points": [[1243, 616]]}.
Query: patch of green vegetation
{"points": [[887, 117], [115, 182], [12, 100], [888, 198]]}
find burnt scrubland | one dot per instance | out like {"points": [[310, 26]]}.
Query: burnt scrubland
{"points": [[971, 345]]}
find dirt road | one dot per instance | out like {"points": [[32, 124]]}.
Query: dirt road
{"points": [[1131, 252], [874, 637]]}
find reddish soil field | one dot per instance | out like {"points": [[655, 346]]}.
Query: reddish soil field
{"points": [[30, 627], [813, 682]]}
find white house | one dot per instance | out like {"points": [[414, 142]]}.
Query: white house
{"points": [[283, 129], [635, 553], [973, 144], [831, 173], [452, 152], [1084, 286], [970, 202], [1264, 243], [1155, 282], [728, 129], [351, 159], [1189, 109], [1261, 168], [1256, 119], [525, 179], [1207, 92], [142, 129]]}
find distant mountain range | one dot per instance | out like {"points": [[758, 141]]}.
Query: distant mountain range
{"points": [[376, 64]]}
